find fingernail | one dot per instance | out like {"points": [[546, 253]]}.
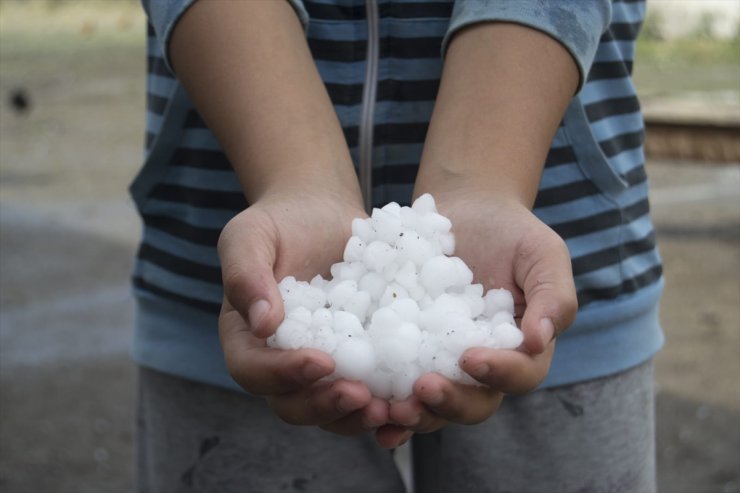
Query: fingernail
{"points": [[547, 330], [405, 438], [257, 313], [480, 371], [312, 371], [346, 404], [435, 398]]}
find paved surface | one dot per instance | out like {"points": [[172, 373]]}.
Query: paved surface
{"points": [[67, 383], [68, 233]]}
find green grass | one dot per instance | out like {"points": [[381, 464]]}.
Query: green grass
{"points": [[692, 64]]}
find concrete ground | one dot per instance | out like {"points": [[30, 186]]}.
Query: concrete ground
{"points": [[68, 233]]}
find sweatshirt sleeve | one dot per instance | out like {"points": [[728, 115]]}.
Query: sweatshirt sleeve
{"points": [[576, 24], [164, 14]]}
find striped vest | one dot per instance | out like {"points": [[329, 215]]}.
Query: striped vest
{"points": [[593, 191]]}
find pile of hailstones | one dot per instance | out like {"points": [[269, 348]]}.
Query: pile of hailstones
{"points": [[398, 306]]}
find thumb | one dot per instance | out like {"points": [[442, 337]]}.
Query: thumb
{"points": [[550, 294], [247, 250]]}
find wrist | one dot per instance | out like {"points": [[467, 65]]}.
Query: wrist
{"points": [[447, 183], [338, 181]]}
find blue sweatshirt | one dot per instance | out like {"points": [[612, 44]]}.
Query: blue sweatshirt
{"points": [[593, 192]]}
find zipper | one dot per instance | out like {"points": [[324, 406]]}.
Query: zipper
{"points": [[368, 104]]}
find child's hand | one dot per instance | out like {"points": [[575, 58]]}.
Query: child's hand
{"points": [[301, 235], [506, 246], [438, 401]]}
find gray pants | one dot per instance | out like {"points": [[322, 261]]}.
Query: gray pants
{"points": [[595, 436]]}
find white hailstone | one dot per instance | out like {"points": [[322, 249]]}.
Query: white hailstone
{"points": [[437, 274], [474, 338], [407, 310], [292, 334], [393, 292], [424, 205], [497, 300], [362, 229], [502, 317], [447, 242], [473, 296], [400, 348], [474, 290], [334, 271], [358, 304], [380, 384], [412, 246], [455, 303], [287, 283], [428, 349], [386, 225], [393, 208], [417, 293], [351, 271], [377, 255], [464, 274], [454, 337], [432, 318], [406, 275], [507, 336], [341, 292], [300, 314], [321, 318], [445, 363], [409, 333], [432, 223], [398, 305], [403, 382], [374, 284], [353, 250], [390, 271], [409, 218], [393, 353], [347, 324], [300, 294], [324, 339], [318, 282], [354, 359], [384, 323], [425, 301]]}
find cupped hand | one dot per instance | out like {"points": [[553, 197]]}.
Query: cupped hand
{"points": [[505, 245], [284, 234]]}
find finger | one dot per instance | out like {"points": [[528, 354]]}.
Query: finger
{"points": [[321, 403], [262, 370], [546, 277], [412, 414], [456, 402], [391, 436], [247, 249], [370, 417], [507, 371]]}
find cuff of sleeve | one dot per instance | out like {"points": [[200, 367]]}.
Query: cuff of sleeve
{"points": [[301, 12], [575, 24], [164, 15]]}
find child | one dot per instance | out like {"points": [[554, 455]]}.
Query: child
{"points": [[251, 152]]}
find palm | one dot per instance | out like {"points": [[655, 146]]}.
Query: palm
{"points": [[507, 246], [501, 243]]}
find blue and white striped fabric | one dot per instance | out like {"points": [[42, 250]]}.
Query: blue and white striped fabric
{"points": [[593, 191]]}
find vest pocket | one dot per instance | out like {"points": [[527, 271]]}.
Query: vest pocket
{"points": [[590, 158], [157, 159]]}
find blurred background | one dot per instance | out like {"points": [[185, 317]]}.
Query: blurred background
{"points": [[71, 136]]}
